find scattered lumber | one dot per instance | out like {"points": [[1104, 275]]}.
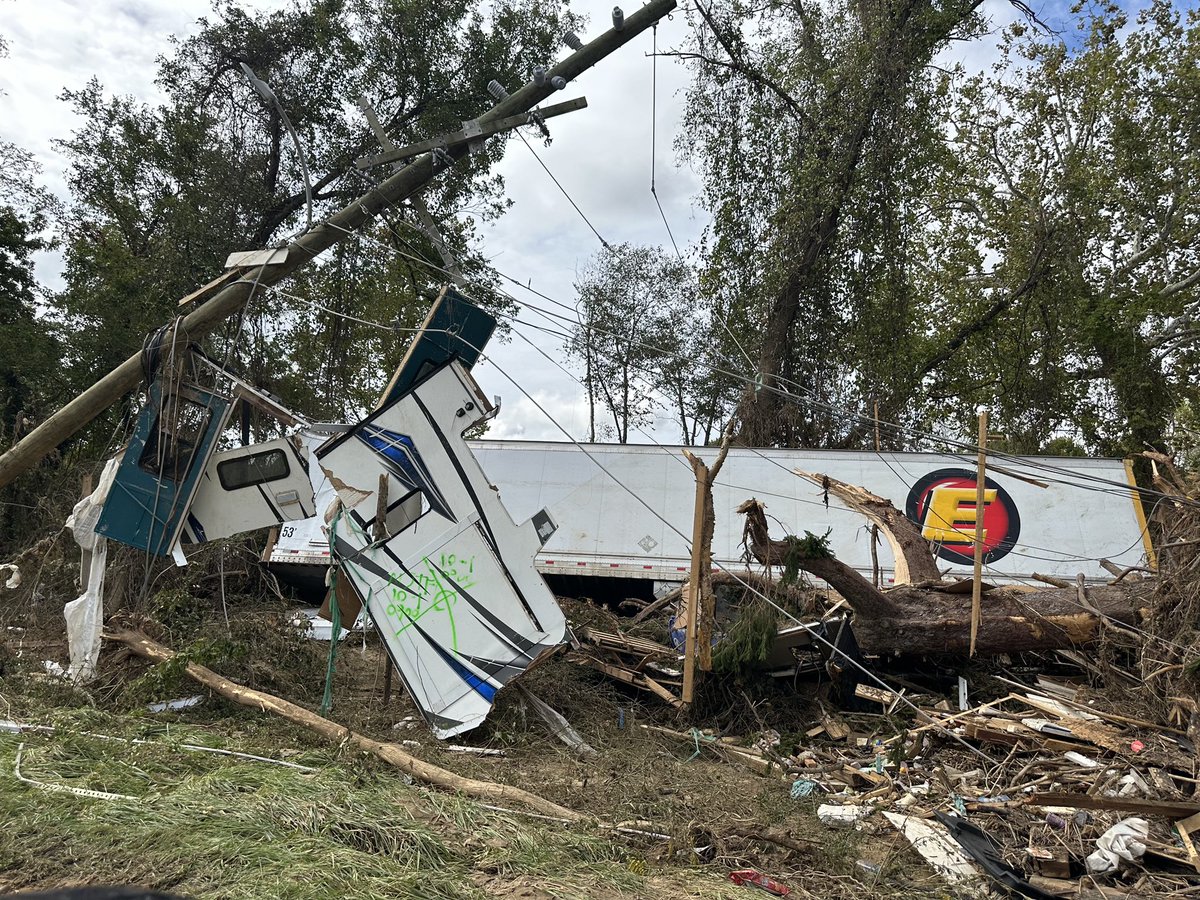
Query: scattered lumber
{"points": [[625, 643], [630, 677], [932, 618], [390, 753], [1138, 806]]}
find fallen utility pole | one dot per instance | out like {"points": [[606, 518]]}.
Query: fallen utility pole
{"points": [[465, 136], [25, 454]]}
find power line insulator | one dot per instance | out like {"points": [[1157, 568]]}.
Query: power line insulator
{"points": [[496, 89], [558, 82], [618, 19], [571, 39], [539, 76]]}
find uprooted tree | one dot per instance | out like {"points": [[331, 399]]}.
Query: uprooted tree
{"points": [[932, 616]]}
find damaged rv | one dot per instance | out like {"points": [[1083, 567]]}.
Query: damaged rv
{"points": [[420, 539]]}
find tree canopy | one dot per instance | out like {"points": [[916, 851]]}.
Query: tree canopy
{"points": [[893, 235], [892, 231], [161, 194]]}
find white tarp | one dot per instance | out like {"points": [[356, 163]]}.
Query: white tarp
{"points": [[85, 614]]}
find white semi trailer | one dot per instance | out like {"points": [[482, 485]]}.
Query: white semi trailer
{"points": [[625, 511]]}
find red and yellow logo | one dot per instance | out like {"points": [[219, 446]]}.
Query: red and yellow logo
{"points": [[943, 504]]}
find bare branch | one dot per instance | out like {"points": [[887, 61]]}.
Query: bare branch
{"points": [[739, 65]]}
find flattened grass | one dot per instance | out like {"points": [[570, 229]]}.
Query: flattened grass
{"points": [[217, 826]]}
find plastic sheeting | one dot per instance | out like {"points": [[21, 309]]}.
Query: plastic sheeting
{"points": [[85, 614], [1124, 842], [14, 580]]}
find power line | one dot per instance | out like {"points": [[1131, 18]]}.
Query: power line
{"points": [[1106, 485], [579, 446], [570, 200], [1059, 556], [814, 633], [1074, 478]]}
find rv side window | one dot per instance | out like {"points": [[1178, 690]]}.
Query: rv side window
{"points": [[258, 468], [173, 439]]}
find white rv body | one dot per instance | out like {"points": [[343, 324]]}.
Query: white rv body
{"points": [[432, 553], [626, 510]]}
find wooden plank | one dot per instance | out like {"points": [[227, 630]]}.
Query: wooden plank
{"points": [[1185, 827], [637, 645], [878, 695], [691, 592], [203, 293], [271, 256], [1172, 809], [637, 680], [835, 727], [944, 721], [735, 754], [655, 688]]}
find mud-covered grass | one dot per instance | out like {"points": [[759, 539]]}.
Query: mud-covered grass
{"points": [[216, 826], [212, 826], [204, 825]]}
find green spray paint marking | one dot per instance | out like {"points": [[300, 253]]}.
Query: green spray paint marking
{"points": [[429, 594], [425, 593]]}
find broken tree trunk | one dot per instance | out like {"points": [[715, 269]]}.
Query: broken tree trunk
{"points": [[914, 561], [702, 602], [934, 619], [389, 753]]}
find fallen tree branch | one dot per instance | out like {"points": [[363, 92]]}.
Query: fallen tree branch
{"points": [[858, 591], [390, 753]]}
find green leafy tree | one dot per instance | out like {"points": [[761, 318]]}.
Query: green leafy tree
{"points": [[161, 194], [29, 351], [891, 233], [807, 121], [642, 331], [1068, 275]]}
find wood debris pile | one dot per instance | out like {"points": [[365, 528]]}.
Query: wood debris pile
{"points": [[1078, 800], [1049, 789]]}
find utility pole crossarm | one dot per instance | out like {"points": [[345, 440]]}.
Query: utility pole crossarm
{"points": [[25, 454], [464, 136]]}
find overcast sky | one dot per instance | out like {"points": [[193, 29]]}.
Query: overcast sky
{"points": [[601, 155]]}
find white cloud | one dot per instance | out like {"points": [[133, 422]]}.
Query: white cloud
{"points": [[602, 158]]}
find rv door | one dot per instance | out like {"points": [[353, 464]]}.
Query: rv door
{"points": [[248, 488]]}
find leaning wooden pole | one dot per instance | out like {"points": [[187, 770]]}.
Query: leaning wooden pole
{"points": [[691, 597], [79, 412], [393, 755], [700, 604], [980, 509]]}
